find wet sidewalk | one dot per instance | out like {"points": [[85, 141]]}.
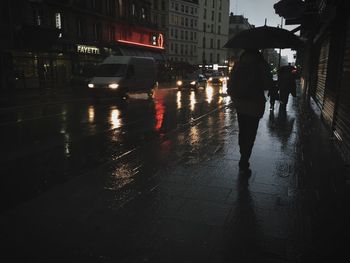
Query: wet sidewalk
{"points": [[293, 208]]}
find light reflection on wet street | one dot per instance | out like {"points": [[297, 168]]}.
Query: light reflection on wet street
{"points": [[49, 144], [157, 180]]}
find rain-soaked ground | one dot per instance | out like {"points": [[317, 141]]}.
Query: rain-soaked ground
{"points": [[157, 181]]}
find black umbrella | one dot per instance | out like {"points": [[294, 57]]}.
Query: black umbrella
{"points": [[264, 37]]}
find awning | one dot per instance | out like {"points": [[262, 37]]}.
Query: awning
{"points": [[129, 51]]}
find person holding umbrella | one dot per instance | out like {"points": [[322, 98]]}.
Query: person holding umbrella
{"points": [[249, 78]]}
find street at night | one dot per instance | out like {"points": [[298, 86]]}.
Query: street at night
{"points": [[174, 131], [157, 180], [53, 142]]}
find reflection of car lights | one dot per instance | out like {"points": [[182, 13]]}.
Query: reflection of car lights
{"points": [[113, 86], [90, 85], [179, 82], [193, 83]]}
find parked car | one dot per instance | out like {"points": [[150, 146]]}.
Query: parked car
{"points": [[124, 74], [216, 78], [192, 81]]}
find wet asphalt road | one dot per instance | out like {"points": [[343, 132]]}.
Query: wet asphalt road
{"points": [[157, 181], [47, 144]]}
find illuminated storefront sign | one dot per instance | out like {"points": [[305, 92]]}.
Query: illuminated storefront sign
{"points": [[142, 38], [139, 44], [158, 40], [88, 49]]}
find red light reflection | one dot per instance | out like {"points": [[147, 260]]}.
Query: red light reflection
{"points": [[160, 109]]}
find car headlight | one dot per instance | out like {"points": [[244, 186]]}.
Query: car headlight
{"points": [[179, 82], [90, 85], [210, 79], [193, 83], [113, 86]]}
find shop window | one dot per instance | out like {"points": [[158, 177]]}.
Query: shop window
{"points": [[120, 8], [38, 17], [80, 28], [110, 8], [111, 33], [96, 31], [133, 9]]}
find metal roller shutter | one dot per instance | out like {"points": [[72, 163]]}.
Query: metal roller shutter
{"points": [[322, 72], [342, 114]]}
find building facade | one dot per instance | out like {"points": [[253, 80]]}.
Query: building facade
{"points": [[50, 43], [213, 31], [182, 31]]}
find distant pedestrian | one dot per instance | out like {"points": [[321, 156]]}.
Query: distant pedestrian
{"points": [[249, 78], [286, 84], [273, 95]]}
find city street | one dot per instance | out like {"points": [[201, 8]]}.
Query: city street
{"points": [[61, 139], [157, 181]]}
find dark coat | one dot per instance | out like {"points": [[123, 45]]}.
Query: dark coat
{"points": [[286, 82]]}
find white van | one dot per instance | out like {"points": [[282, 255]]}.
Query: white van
{"points": [[124, 74]]}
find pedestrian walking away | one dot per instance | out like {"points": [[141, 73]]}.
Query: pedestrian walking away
{"points": [[248, 79], [286, 84], [273, 95]]}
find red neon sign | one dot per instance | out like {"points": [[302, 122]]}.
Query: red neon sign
{"points": [[161, 40], [140, 44], [140, 37]]}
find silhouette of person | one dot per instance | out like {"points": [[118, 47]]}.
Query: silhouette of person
{"points": [[286, 84], [273, 94], [249, 78]]}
